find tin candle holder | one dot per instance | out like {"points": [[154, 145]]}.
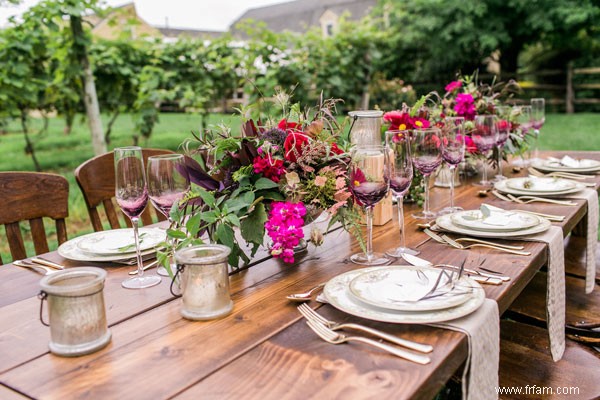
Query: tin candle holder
{"points": [[76, 312], [204, 281]]}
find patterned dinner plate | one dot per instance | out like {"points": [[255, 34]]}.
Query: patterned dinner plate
{"points": [[497, 221], [338, 294], [120, 241], [502, 186], [409, 288]]}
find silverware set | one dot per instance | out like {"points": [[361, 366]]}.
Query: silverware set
{"points": [[444, 239], [566, 175], [531, 199], [326, 330], [42, 265]]}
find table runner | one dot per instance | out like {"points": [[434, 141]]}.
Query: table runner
{"points": [[591, 196], [555, 288], [482, 327], [480, 376]]}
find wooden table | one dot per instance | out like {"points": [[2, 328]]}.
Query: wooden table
{"points": [[263, 349]]}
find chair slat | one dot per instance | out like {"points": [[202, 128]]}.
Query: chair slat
{"points": [[61, 231], [15, 241], [111, 214], [38, 234]]}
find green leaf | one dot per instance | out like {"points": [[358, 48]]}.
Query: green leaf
{"points": [[209, 216], [272, 196], [253, 227], [236, 204], [225, 235], [207, 197], [176, 234], [233, 219], [193, 224], [264, 183]]}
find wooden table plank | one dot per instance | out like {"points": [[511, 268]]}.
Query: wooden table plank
{"points": [[9, 394]]}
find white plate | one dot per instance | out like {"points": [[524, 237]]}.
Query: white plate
{"points": [[403, 287], [71, 251], [445, 222], [119, 241], [498, 221], [541, 185], [502, 187], [338, 294], [585, 165]]}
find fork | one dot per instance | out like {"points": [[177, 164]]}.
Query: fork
{"points": [[532, 199], [567, 175], [337, 338], [457, 245], [312, 315], [47, 270], [440, 239]]}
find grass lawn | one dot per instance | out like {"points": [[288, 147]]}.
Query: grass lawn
{"points": [[62, 153]]}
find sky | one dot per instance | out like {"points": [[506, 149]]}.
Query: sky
{"points": [[196, 14]]}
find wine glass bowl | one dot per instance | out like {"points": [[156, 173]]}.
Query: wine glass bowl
{"points": [[427, 158], [131, 193], [503, 126], [453, 153], [168, 182], [538, 117], [400, 177], [369, 185], [485, 137]]}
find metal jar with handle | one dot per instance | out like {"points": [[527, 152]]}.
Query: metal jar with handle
{"points": [[76, 311], [204, 281]]}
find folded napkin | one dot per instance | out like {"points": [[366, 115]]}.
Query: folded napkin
{"points": [[591, 235], [480, 377], [555, 288]]}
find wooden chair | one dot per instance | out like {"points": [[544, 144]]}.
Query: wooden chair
{"points": [[96, 179], [31, 196]]}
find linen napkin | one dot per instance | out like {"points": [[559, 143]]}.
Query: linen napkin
{"points": [[591, 236], [480, 377], [555, 288]]}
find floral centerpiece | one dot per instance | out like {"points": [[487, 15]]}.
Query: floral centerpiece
{"points": [[274, 177]]}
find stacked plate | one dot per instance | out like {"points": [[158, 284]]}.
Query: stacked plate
{"points": [[113, 245], [495, 223], [567, 164], [540, 187], [404, 294]]}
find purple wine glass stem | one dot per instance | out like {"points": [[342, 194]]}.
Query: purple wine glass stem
{"points": [[136, 238], [400, 207], [500, 160], [369, 217]]}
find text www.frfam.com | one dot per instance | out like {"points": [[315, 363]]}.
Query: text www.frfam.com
{"points": [[538, 390]]}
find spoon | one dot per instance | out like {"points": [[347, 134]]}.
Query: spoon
{"points": [[426, 225], [483, 193], [306, 296]]}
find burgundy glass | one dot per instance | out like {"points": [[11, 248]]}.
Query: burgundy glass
{"points": [[485, 136], [427, 158], [453, 153]]}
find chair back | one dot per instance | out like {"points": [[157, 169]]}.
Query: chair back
{"points": [[30, 196], [96, 179]]}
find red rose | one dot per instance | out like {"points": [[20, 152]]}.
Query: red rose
{"points": [[293, 145], [336, 150], [287, 126]]}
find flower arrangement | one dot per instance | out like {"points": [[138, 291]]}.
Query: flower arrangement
{"points": [[274, 177]]}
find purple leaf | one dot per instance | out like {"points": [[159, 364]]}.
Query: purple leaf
{"points": [[198, 176]]}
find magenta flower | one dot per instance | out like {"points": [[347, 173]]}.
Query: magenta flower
{"points": [[284, 227], [452, 86], [465, 106]]}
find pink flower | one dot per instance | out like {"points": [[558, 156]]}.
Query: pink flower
{"points": [[320, 181], [465, 106], [470, 145], [399, 120], [284, 227], [421, 123], [452, 86]]}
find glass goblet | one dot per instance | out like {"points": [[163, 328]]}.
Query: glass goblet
{"points": [[538, 117], [132, 197], [504, 126], [485, 137], [522, 130], [400, 178], [369, 185], [426, 158], [168, 182], [453, 153]]}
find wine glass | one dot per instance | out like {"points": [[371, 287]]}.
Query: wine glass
{"points": [[369, 185], [523, 125], [485, 137], [132, 197], [538, 117], [453, 153], [427, 157], [503, 125], [400, 177], [168, 182]]}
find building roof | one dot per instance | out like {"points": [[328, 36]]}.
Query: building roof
{"points": [[188, 33], [300, 15]]}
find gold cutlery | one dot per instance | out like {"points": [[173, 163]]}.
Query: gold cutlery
{"points": [[506, 246], [532, 199], [502, 278], [312, 315], [147, 266], [47, 263], [46, 270], [568, 175], [337, 338], [306, 296], [495, 247], [446, 240], [501, 196], [550, 217]]}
